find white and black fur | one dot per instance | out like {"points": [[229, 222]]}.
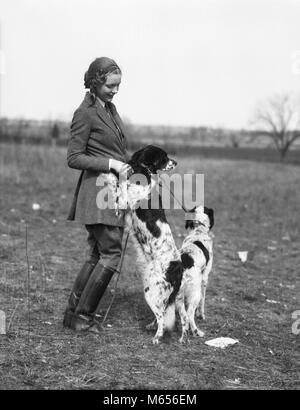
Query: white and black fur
{"points": [[197, 258], [146, 161], [171, 278], [159, 259]]}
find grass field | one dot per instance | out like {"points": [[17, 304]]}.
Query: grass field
{"points": [[256, 209]]}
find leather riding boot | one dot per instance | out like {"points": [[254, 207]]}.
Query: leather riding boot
{"points": [[96, 323], [91, 296], [79, 284]]}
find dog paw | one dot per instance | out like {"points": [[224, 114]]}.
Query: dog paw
{"points": [[198, 332], [156, 340]]}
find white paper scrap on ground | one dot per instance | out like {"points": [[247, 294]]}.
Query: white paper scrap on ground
{"points": [[272, 301], [243, 255], [221, 342]]}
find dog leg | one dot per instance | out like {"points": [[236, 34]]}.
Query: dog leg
{"points": [[165, 321], [158, 310], [201, 308], [193, 299], [183, 318], [160, 329], [191, 317], [203, 301]]}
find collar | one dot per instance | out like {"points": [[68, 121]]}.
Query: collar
{"points": [[101, 102], [91, 99]]}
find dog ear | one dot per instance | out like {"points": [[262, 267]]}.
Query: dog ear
{"points": [[189, 224], [161, 158], [210, 213], [150, 156], [143, 155], [137, 157]]}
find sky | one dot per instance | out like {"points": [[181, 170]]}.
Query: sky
{"points": [[184, 62]]}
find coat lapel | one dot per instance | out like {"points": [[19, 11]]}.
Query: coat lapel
{"points": [[117, 118], [105, 117], [101, 112]]}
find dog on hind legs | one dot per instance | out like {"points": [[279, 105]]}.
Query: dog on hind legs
{"points": [[197, 257], [160, 265], [159, 259], [170, 278]]}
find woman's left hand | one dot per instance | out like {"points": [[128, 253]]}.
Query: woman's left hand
{"points": [[121, 167], [126, 169]]}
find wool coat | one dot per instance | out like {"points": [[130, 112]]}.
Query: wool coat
{"points": [[93, 141]]}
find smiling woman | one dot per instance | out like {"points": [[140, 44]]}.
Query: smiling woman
{"points": [[103, 78], [98, 144]]}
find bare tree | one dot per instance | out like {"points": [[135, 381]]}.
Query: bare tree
{"points": [[279, 118]]}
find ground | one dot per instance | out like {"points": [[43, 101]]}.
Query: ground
{"points": [[256, 210]]}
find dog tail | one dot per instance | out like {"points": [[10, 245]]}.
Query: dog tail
{"points": [[169, 321]]}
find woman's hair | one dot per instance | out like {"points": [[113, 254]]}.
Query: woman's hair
{"points": [[98, 71]]}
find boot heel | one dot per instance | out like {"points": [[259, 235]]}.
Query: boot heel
{"points": [[80, 323]]}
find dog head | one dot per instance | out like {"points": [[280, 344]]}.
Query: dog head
{"points": [[200, 215], [153, 159], [144, 162]]}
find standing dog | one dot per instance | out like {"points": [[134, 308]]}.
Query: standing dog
{"points": [[170, 278], [158, 257], [197, 257]]}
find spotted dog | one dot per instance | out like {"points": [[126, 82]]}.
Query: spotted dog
{"points": [[171, 278], [127, 193], [158, 258], [197, 257]]}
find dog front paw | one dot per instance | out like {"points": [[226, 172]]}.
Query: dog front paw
{"points": [[156, 340]]}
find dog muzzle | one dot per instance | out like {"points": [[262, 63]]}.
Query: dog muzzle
{"points": [[170, 165]]}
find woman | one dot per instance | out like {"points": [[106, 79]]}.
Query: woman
{"points": [[97, 144]]}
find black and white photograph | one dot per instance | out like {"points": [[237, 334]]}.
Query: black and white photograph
{"points": [[149, 198]]}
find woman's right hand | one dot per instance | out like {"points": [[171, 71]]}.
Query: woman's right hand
{"points": [[120, 167]]}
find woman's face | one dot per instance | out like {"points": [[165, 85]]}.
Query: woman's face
{"points": [[107, 91]]}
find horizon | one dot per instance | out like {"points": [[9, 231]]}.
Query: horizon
{"points": [[53, 121]]}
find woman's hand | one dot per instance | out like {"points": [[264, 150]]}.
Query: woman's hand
{"points": [[121, 167]]}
